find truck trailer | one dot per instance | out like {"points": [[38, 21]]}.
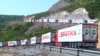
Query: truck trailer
{"points": [[82, 35]]}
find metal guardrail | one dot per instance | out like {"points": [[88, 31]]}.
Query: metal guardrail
{"points": [[65, 50], [76, 50]]}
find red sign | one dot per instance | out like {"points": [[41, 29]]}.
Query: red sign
{"points": [[45, 37], [68, 33]]}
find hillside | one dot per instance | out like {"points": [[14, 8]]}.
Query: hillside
{"points": [[17, 31], [13, 32], [9, 18], [60, 4], [28, 30], [92, 6]]}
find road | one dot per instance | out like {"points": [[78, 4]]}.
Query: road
{"points": [[55, 51], [73, 51]]}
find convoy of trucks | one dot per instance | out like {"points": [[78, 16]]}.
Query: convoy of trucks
{"points": [[81, 35]]}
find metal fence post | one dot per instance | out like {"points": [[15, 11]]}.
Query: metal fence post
{"points": [[50, 46], [39, 46], [43, 46], [60, 49], [78, 50]]}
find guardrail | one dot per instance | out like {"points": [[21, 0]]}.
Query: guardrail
{"points": [[72, 51], [63, 50]]}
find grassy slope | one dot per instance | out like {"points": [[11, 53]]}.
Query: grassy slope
{"points": [[14, 32], [17, 32]]}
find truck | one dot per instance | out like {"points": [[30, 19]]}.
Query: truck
{"points": [[81, 35]]}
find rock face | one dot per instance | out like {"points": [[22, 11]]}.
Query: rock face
{"points": [[80, 13], [29, 18], [77, 15], [59, 15], [59, 4]]}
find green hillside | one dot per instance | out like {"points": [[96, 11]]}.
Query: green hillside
{"points": [[13, 32], [92, 6], [8, 18], [17, 32]]}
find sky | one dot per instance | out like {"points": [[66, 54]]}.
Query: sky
{"points": [[24, 7]]}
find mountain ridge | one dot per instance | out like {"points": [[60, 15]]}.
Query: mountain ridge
{"points": [[71, 5], [59, 4]]}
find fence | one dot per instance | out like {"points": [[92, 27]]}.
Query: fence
{"points": [[32, 50], [71, 51]]}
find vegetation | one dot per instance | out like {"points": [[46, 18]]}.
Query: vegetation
{"points": [[92, 6], [40, 31], [14, 32], [8, 18], [42, 14], [17, 32]]}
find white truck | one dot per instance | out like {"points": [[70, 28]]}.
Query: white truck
{"points": [[82, 35]]}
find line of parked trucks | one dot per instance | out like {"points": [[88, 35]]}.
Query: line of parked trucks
{"points": [[81, 35]]}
